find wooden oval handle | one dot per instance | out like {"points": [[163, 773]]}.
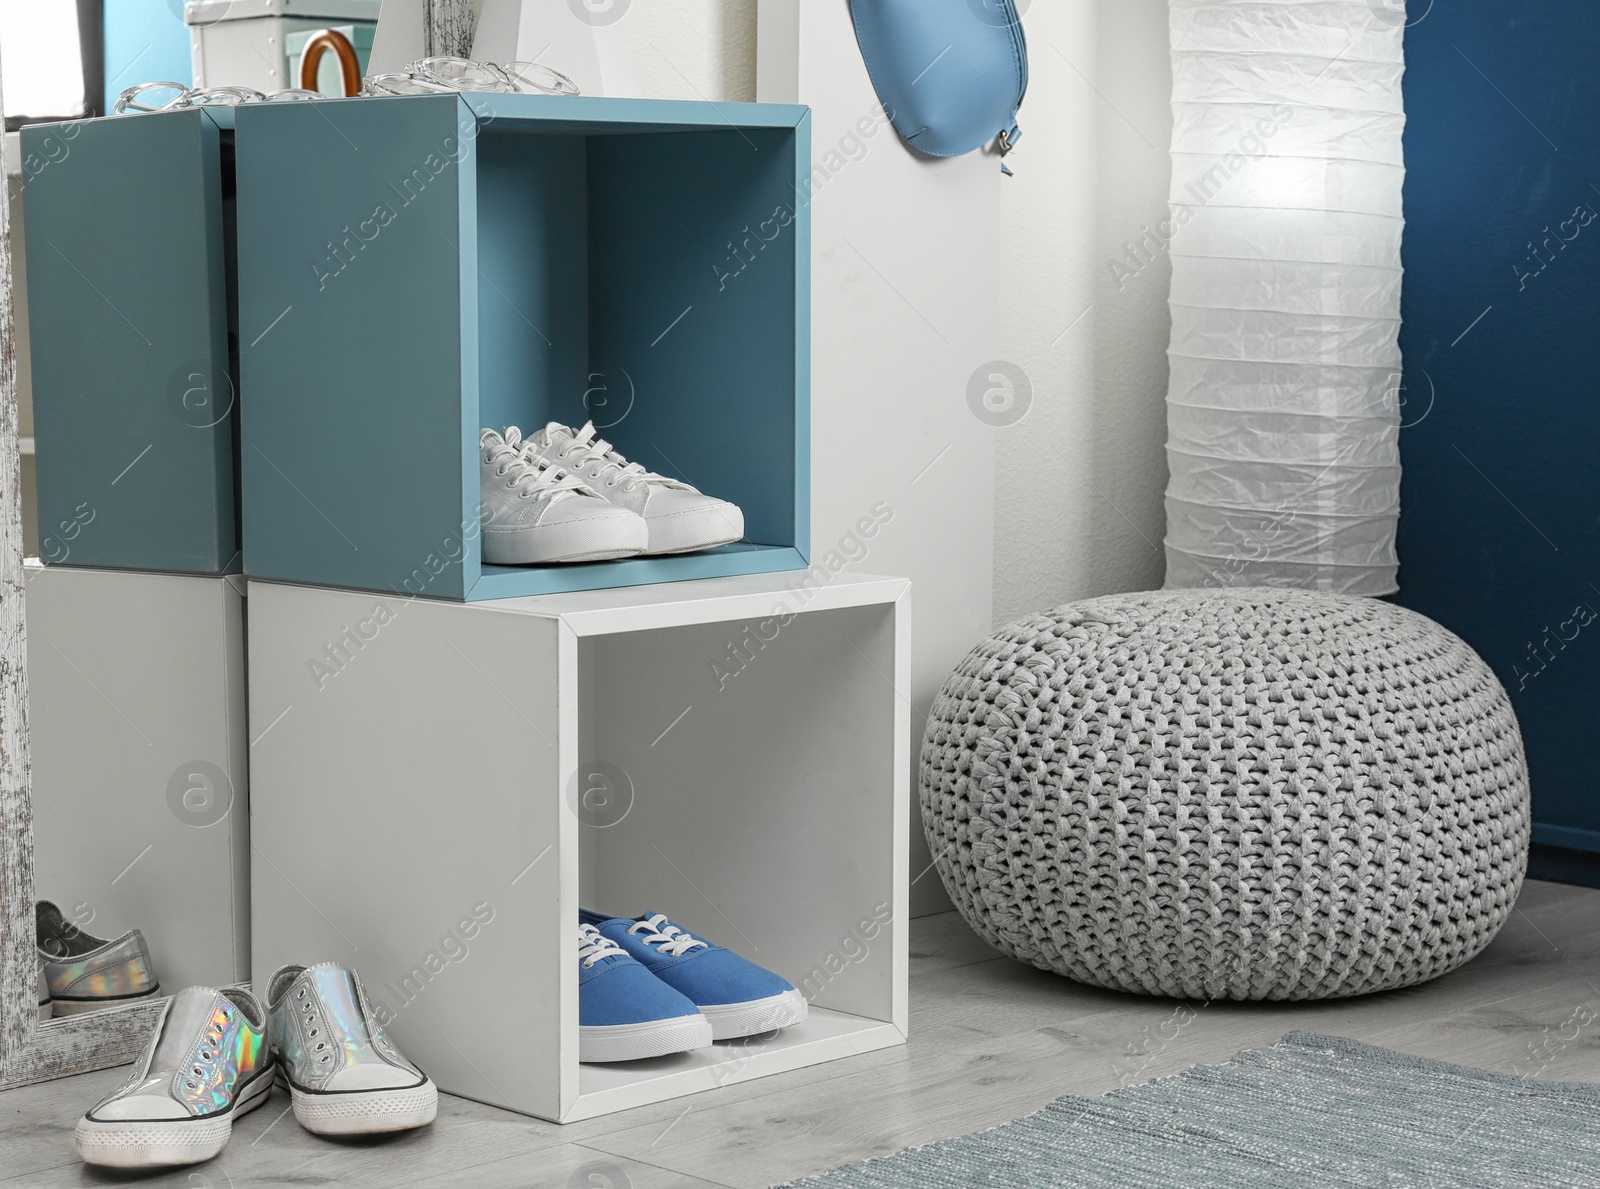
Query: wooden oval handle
{"points": [[349, 64]]}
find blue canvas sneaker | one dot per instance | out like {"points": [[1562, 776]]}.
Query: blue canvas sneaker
{"points": [[736, 995], [624, 1012]]}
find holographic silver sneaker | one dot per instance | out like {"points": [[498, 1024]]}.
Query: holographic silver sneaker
{"points": [[343, 1073], [86, 973], [206, 1064]]}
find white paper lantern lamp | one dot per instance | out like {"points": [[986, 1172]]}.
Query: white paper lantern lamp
{"points": [[1283, 409]]}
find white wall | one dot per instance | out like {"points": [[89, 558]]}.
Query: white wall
{"points": [[903, 314], [1079, 481], [702, 49]]}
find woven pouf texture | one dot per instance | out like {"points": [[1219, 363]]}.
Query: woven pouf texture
{"points": [[1253, 794]]}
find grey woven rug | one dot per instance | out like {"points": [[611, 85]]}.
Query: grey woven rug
{"points": [[1311, 1111]]}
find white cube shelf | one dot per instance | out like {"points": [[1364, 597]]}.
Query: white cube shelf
{"points": [[438, 787], [136, 711]]}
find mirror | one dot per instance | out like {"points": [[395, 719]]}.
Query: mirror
{"points": [[125, 859]]}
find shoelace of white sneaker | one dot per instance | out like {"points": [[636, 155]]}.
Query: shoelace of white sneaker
{"points": [[585, 451], [594, 945], [530, 475], [665, 936]]}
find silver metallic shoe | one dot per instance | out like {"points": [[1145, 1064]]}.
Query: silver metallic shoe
{"points": [[343, 1073], [205, 1065], [87, 973]]}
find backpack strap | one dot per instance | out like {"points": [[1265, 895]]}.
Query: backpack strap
{"points": [[1008, 141]]}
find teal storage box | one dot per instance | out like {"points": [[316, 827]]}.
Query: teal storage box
{"points": [[415, 268], [131, 323]]}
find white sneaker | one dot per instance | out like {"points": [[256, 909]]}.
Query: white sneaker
{"points": [[534, 513], [680, 518]]}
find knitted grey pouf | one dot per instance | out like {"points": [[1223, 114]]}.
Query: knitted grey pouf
{"points": [[1255, 794]]}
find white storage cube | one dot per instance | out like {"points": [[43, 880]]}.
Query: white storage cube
{"points": [[438, 787], [136, 707]]}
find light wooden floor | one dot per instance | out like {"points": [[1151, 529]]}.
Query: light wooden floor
{"points": [[991, 1040]]}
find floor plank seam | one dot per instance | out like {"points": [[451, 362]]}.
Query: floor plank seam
{"points": [[12, 1180], [960, 966], [676, 1172]]}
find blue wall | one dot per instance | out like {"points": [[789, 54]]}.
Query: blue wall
{"points": [[1500, 528], [145, 41]]}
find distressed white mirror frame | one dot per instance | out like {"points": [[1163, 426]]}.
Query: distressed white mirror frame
{"points": [[31, 1050]]}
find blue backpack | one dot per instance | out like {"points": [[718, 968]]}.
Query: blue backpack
{"points": [[951, 74]]}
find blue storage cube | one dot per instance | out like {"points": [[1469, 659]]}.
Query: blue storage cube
{"points": [[415, 268], [131, 315]]}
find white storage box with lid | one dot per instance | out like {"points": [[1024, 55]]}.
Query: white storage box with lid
{"points": [[244, 43]]}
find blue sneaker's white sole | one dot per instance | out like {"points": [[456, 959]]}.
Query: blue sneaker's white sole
{"points": [[164, 1143], [729, 1021], [634, 1042]]}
